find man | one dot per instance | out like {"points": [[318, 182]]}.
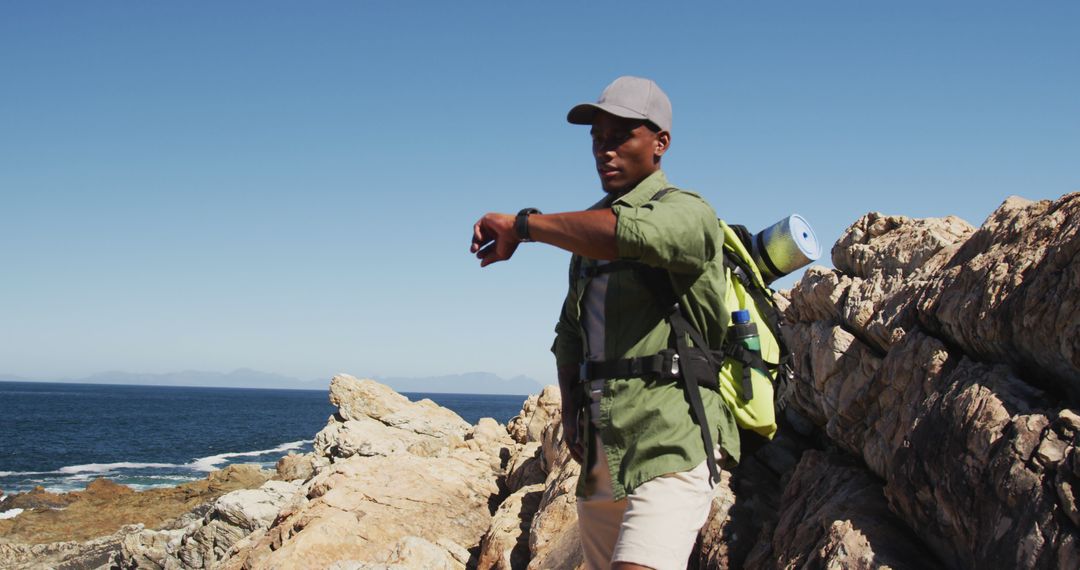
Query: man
{"points": [[646, 488]]}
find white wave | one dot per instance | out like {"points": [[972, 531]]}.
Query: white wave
{"points": [[110, 467], [211, 462], [90, 468], [24, 473], [10, 514]]}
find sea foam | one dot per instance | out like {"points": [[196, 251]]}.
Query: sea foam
{"points": [[211, 462], [110, 467]]}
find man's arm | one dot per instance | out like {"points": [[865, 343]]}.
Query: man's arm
{"points": [[590, 233]]}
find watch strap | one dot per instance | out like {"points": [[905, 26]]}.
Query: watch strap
{"points": [[521, 223]]}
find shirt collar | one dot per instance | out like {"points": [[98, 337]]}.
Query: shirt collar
{"points": [[644, 191]]}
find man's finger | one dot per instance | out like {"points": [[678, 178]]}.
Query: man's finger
{"points": [[477, 238]]}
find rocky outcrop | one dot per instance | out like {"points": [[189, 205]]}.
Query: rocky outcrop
{"points": [[204, 541], [89, 528], [942, 360], [398, 484], [535, 526], [393, 482]]}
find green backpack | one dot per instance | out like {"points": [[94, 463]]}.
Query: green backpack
{"points": [[752, 396]]}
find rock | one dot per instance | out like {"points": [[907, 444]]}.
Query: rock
{"points": [[407, 485], [895, 245], [38, 498], [106, 508], [934, 355], [506, 543], [367, 399], [553, 535], [294, 467], [490, 437], [360, 507], [526, 467], [834, 515], [67, 555], [1012, 293], [536, 414]]}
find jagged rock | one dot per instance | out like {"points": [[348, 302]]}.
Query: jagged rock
{"points": [[895, 245], [362, 506], [295, 467], [401, 479], [1012, 293], [490, 437], [105, 506], [553, 535], [97, 553], [536, 414], [928, 354], [204, 541], [835, 516], [526, 467], [506, 543], [368, 400], [233, 517]]}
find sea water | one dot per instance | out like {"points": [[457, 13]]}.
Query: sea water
{"points": [[62, 436]]}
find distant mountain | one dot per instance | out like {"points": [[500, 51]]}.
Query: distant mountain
{"points": [[469, 383], [240, 378]]}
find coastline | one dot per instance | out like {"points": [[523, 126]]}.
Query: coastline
{"points": [[63, 436], [104, 507]]}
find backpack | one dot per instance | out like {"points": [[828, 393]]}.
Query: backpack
{"points": [[753, 398]]}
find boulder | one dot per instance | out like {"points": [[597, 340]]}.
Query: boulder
{"points": [[369, 400], [295, 467], [537, 412], [405, 484]]}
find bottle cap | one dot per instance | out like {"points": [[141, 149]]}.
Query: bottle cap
{"points": [[740, 317]]}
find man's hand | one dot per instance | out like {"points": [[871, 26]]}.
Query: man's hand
{"points": [[494, 238]]}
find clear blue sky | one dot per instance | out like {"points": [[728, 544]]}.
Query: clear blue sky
{"points": [[290, 186]]}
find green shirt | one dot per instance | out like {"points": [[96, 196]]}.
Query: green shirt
{"points": [[646, 426]]}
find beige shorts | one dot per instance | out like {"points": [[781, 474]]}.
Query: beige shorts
{"points": [[655, 526]]}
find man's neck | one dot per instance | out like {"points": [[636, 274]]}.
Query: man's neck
{"points": [[613, 195]]}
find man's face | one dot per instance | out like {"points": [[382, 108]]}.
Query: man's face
{"points": [[626, 151]]}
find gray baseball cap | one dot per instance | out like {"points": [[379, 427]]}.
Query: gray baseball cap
{"points": [[630, 98]]}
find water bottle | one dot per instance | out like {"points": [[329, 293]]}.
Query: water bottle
{"points": [[745, 333]]}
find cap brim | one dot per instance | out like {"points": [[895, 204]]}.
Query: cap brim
{"points": [[583, 114]]}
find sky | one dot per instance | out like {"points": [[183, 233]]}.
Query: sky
{"points": [[290, 187]]}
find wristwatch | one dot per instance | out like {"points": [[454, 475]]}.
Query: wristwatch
{"points": [[521, 223]]}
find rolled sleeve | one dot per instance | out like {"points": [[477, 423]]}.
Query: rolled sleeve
{"points": [[678, 232], [567, 346]]}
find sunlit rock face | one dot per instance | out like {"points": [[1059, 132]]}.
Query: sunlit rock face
{"points": [[943, 363]]}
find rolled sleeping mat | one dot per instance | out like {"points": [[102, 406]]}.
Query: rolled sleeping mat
{"points": [[784, 247]]}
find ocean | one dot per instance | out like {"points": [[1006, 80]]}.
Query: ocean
{"points": [[62, 436]]}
